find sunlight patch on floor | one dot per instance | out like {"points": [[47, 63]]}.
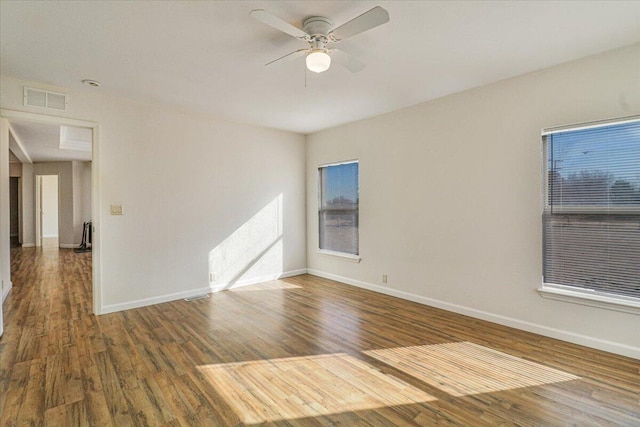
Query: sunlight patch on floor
{"points": [[297, 387], [464, 368], [266, 286]]}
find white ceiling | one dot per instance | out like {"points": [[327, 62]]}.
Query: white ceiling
{"points": [[208, 56], [41, 141]]}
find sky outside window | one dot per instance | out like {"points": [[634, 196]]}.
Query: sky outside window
{"points": [[596, 166], [341, 181]]}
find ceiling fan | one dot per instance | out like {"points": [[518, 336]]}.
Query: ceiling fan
{"points": [[318, 32]]}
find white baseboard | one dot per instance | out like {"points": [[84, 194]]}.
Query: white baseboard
{"points": [[224, 286], [28, 245], [68, 245], [46, 236], [112, 308], [612, 347], [5, 292]]}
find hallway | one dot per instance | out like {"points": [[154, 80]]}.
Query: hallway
{"points": [[46, 313]]}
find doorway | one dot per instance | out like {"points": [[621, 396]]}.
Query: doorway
{"points": [[85, 170], [47, 209]]}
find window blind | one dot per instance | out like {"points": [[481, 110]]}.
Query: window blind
{"points": [[338, 208], [591, 216]]}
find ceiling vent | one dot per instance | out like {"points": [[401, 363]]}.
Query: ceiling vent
{"points": [[44, 99]]}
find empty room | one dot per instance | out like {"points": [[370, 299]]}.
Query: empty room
{"points": [[320, 213]]}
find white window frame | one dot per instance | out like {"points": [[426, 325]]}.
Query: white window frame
{"points": [[573, 294], [340, 255]]}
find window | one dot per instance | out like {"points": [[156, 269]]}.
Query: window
{"points": [[338, 208], [591, 215]]}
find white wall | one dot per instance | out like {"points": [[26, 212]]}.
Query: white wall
{"points": [[187, 183], [49, 206], [5, 267], [450, 197]]}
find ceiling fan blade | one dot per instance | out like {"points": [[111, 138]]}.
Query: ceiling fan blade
{"points": [[347, 61], [293, 55], [366, 21], [277, 23]]}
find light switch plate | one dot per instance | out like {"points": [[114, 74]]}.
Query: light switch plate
{"points": [[116, 209]]}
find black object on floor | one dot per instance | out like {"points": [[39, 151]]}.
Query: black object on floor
{"points": [[85, 246]]}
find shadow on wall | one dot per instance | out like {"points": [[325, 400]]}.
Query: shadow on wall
{"points": [[253, 253]]}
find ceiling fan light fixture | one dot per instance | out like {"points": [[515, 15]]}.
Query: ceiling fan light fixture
{"points": [[318, 32], [318, 61]]}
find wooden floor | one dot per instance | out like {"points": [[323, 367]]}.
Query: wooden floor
{"points": [[301, 351]]}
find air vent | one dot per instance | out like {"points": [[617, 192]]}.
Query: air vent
{"points": [[44, 99], [196, 297]]}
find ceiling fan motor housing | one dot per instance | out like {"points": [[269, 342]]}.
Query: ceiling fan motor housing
{"points": [[317, 26]]}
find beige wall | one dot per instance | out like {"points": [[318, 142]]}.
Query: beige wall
{"points": [[450, 197], [15, 169]]}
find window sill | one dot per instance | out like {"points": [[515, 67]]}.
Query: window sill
{"points": [[590, 298], [342, 255]]}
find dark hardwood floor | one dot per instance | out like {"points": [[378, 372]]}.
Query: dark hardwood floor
{"points": [[301, 351]]}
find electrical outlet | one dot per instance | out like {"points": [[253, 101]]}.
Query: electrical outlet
{"points": [[212, 277], [384, 278]]}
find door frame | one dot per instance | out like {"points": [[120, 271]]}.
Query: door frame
{"points": [[96, 212]]}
